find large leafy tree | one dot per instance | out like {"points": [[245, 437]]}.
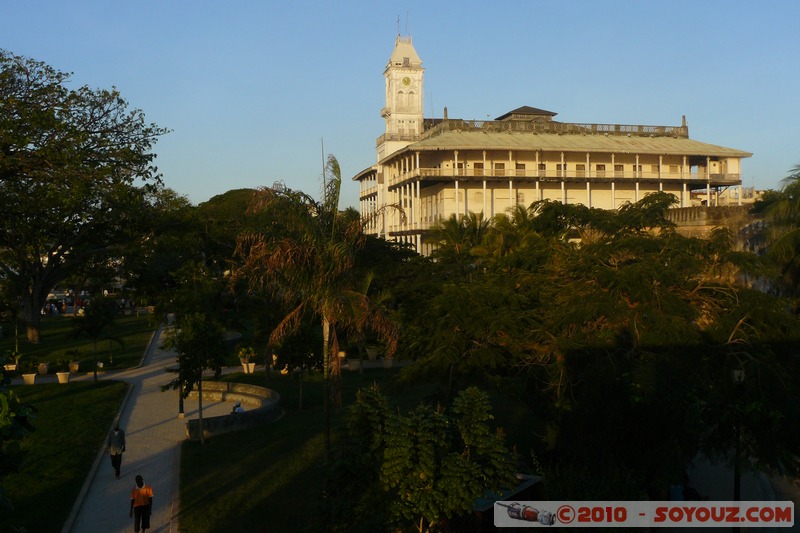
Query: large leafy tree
{"points": [[423, 468], [169, 240], [609, 321], [72, 167]]}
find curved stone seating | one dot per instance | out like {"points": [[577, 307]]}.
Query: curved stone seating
{"points": [[261, 405]]}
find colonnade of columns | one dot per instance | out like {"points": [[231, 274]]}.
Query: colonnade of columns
{"points": [[407, 195]]}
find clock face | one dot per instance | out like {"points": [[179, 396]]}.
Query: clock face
{"points": [[406, 81]]}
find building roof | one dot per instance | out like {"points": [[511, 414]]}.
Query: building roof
{"points": [[553, 142], [527, 110]]}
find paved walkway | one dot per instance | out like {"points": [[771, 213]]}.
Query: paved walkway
{"points": [[154, 434]]}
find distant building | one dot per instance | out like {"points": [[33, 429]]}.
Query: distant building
{"points": [[434, 168]]}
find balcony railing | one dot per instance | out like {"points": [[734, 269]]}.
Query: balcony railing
{"points": [[569, 174], [437, 127]]}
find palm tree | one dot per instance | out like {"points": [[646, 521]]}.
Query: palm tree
{"points": [[456, 237], [304, 255], [784, 216]]}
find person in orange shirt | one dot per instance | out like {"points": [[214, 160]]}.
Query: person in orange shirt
{"points": [[141, 505]]}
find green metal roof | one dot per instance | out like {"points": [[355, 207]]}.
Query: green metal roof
{"points": [[551, 142]]}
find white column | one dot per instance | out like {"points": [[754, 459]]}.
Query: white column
{"points": [[613, 195], [485, 214], [740, 195], [512, 171], [683, 180], [588, 195], [613, 183], [563, 175], [538, 191], [419, 203], [458, 208], [406, 205], [484, 187], [588, 166], [660, 183]]}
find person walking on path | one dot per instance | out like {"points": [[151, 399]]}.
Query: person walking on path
{"points": [[115, 446], [141, 505], [152, 417]]}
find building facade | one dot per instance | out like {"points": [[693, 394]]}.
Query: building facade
{"points": [[430, 169]]}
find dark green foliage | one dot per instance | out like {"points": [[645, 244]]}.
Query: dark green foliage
{"points": [[98, 323], [199, 342], [69, 195], [16, 421], [624, 329], [421, 468]]}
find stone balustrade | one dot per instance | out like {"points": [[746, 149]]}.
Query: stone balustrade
{"points": [[261, 405]]}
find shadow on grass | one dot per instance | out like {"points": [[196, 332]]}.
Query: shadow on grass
{"points": [[71, 425], [272, 478]]}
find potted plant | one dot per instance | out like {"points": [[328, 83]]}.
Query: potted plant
{"points": [[28, 370], [372, 352], [74, 364], [62, 371], [12, 360], [43, 368], [246, 356]]}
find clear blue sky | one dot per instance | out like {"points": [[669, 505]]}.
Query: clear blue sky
{"points": [[252, 89]]}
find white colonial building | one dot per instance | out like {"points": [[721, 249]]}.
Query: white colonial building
{"points": [[434, 168]]}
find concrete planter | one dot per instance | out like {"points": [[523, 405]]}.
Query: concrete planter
{"points": [[29, 379], [63, 377], [43, 369], [74, 366]]}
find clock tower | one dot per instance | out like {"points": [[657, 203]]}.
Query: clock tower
{"points": [[403, 110]]}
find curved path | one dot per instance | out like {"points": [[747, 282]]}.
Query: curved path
{"points": [[154, 434]]}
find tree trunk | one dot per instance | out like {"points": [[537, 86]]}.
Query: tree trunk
{"points": [[94, 355], [300, 379], [30, 313], [200, 406], [326, 335]]}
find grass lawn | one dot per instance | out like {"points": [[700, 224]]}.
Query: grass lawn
{"points": [[71, 426], [270, 478], [57, 339]]}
